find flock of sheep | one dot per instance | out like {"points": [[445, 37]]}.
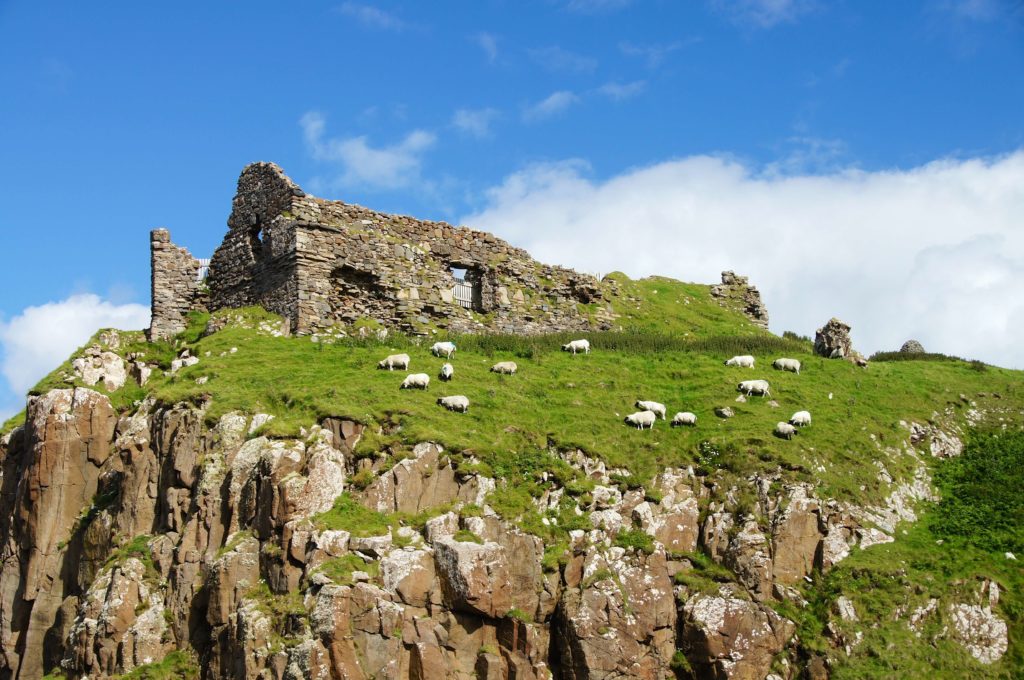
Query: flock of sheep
{"points": [[644, 418]]}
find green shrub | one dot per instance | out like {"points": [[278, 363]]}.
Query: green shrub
{"points": [[635, 539]]}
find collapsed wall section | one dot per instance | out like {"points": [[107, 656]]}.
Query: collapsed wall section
{"points": [[176, 286]]}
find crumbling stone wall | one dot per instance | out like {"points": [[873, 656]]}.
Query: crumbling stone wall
{"points": [[175, 286], [320, 262], [737, 289]]}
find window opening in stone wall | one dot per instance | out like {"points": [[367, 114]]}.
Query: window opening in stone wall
{"points": [[204, 269], [466, 291]]}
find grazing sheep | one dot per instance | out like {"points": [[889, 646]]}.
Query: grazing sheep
{"points": [[743, 361], [684, 418], [784, 430], [456, 403], [447, 371], [417, 380], [445, 348], [506, 367], [394, 361], [653, 406], [641, 418], [751, 387], [800, 418], [792, 365], [577, 346]]}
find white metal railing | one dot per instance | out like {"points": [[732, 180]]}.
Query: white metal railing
{"points": [[463, 293], [204, 269]]}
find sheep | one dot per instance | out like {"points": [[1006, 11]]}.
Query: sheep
{"points": [[684, 418], [792, 365], [652, 406], [641, 418], [455, 403], [394, 361], [417, 380], [445, 348], [506, 367], [577, 346], [800, 418], [447, 371], [784, 430], [751, 387], [743, 361]]}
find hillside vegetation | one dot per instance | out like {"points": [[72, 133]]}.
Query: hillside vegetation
{"points": [[670, 346]]}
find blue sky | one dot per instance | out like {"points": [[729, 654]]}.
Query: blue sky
{"points": [[521, 117]]}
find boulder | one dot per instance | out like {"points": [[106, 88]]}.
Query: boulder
{"points": [[912, 347], [728, 637], [98, 366], [475, 577]]}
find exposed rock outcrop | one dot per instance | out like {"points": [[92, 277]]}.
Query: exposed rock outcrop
{"points": [[832, 340], [747, 297]]}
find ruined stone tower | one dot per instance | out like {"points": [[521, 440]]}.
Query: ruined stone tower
{"points": [[320, 263]]}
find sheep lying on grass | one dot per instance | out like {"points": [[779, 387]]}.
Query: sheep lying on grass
{"points": [[641, 418], [683, 418], [455, 403], [394, 361], [653, 406], [505, 367], [415, 380]]}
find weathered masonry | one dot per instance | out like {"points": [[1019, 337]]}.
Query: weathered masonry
{"points": [[319, 263]]}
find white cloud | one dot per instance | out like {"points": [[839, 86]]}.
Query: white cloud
{"points": [[621, 91], [475, 122], [934, 252], [488, 42], [561, 60], [554, 103], [763, 13], [388, 167], [39, 338], [371, 16]]}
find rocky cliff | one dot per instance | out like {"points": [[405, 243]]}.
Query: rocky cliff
{"points": [[138, 528]]}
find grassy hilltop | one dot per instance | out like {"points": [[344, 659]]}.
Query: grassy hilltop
{"points": [[670, 347]]}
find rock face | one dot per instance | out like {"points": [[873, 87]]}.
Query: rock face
{"points": [[832, 341], [912, 347], [124, 539], [318, 263], [737, 288]]}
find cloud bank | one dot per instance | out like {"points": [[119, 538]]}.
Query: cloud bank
{"points": [[934, 252], [39, 338]]}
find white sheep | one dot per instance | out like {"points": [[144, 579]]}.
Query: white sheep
{"points": [[577, 346], [641, 418], [506, 367], [394, 361], [751, 387], [445, 348], [447, 371], [792, 365], [455, 403], [653, 406], [784, 430], [743, 361], [417, 380], [801, 418], [684, 418]]}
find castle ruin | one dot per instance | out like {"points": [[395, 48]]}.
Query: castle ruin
{"points": [[319, 263]]}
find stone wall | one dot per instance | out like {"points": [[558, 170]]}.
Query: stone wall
{"points": [[737, 290], [175, 286], [319, 263]]}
